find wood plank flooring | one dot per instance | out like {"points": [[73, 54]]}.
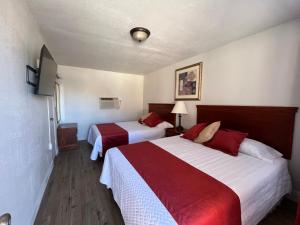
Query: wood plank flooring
{"points": [[74, 195]]}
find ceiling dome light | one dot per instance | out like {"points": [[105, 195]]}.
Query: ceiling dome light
{"points": [[139, 34]]}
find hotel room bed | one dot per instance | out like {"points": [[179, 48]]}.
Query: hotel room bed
{"points": [[136, 133], [259, 184]]}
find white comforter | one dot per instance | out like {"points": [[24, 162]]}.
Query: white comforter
{"points": [[259, 184], [136, 133]]}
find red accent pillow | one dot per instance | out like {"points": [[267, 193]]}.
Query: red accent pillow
{"points": [[152, 120], [194, 131], [227, 141], [142, 118]]}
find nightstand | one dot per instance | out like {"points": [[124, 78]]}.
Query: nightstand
{"points": [[67, 136], [173, 132]]}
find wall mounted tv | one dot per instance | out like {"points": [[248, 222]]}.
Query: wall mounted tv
{"points": [[46, 74]]}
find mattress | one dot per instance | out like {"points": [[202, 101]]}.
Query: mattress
{"points": [[136, 133], [259, 184]]}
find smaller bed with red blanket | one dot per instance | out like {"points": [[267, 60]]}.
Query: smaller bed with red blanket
{"points": [[149, 127], [105, 136]]}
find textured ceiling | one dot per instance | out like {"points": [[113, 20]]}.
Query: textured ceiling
{"points": [[95, 33]]}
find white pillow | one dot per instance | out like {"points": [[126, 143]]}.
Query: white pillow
{"points": [[259, 150], [164, 125]]}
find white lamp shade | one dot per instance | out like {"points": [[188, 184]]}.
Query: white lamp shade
{"points": [[179, 108]]}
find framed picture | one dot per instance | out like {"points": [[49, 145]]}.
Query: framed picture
{"points": [[188, 82]]}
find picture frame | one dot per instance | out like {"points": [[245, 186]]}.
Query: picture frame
{"points": [[188, 82]]}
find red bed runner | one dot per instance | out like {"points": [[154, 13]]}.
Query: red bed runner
{"points": [[191, 196], [112, 136]]}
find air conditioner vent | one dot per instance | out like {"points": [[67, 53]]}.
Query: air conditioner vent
{"points": [[109, 103]]}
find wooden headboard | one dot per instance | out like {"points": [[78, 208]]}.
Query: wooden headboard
{"points": [[164, 111], [273, 126]]}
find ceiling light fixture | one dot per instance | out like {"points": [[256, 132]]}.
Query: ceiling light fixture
{"points": [[139, 34]]}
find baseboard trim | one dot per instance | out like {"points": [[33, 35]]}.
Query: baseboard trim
{"points": [[42, 191]]}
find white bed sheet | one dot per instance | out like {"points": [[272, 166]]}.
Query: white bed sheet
{"points": [[259, 184], [136, 133]]}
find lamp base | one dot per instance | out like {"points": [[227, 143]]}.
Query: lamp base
{"points": [[179, 128]]}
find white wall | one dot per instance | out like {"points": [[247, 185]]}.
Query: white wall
{"points": [[25, 161], [262, 69], [81, 89]]}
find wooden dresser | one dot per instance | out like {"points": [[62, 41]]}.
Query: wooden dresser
{"points": [[67, 136]]}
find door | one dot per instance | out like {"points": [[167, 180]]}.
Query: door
{"points": [[52, 126]]}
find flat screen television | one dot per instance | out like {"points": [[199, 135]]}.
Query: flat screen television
{"points": [[46, 74]]}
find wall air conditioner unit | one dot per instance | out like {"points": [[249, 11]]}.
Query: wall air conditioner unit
{"points": [[109, 103]]}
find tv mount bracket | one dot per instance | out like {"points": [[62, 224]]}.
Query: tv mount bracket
{"points": [[35, 73]]}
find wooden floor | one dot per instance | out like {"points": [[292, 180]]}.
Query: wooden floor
{"points": [[74, 195]]}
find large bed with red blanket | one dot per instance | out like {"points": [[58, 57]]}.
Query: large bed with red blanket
{"points": [[177, 181], [259, 185]]}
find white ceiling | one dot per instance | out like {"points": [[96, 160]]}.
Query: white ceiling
{"points": [[95, 33]]}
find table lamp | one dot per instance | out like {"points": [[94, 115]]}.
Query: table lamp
{"points": [[179, 109]]}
